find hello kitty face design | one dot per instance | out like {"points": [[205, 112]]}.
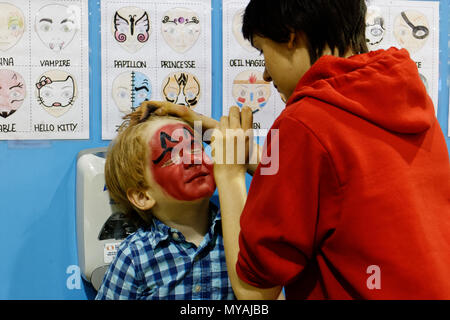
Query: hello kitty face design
{"points": [[181, 29], [182, 88], [12, 92], [250, 89], [131, 28], [56, 92], [56, 25], [130, 89], [12, 25]]}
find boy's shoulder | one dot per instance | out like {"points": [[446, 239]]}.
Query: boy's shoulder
{"points": [[142, 238]]}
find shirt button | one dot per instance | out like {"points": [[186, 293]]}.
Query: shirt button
{"points": [[175, 236], [197, 288]]}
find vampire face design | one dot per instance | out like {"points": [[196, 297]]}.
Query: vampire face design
{"points": [[131, 28], [182, 88], [181, 29], [237, 32], [130, 89], [179, 164], [411, 30], [375, 28], [56, 92], [250, 89], [12, 25], [56, 25], [12, 92]]}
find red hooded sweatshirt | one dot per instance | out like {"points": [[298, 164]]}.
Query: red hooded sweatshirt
{"points": [[360, 205]]}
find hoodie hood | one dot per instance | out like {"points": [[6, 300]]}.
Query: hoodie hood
{"points": [[383, 87]]}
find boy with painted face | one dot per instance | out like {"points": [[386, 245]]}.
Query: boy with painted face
{"points": [[158, 173]]}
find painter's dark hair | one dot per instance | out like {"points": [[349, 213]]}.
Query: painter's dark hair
{"points": [[338, 23]]}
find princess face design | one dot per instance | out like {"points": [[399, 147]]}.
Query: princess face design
{"points": [[12, 92], [411, 30], [131, 28], [250, 89], [182, 88], [56, 92], [130, 89], [12, 25], [56, 25], [181, 29]]}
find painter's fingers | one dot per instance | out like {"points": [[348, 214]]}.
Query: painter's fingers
{"points": [[234, 116], [246, 118]]}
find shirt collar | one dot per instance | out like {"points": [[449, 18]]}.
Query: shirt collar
{"points": [[162, 232]]}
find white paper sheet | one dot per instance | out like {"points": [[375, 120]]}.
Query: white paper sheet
{"points": [[44, 70], [243, 68], [413, 25], [154, 50]]}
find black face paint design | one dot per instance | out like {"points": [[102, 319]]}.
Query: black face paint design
{"points": [[418, 32], [165, 138], [132, 23]]}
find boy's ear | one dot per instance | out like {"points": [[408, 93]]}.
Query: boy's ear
{"points": [[292, 40], [141, 199]]}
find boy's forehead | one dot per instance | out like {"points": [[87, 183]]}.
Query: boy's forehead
{"points": [[155, 126]]}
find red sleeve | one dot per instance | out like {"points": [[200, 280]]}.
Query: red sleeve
{"points": [[279, 220]]}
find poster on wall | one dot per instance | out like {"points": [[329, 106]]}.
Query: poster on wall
{"points": [[243, 69], [44, 70], [413, 25], [154, 50]]}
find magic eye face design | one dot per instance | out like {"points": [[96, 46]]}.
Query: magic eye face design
{"points": [[250, 89], [12, 92], [181, 29], [130, 89], [182, 88], [12, 26], [375, 27], [56, 25], [411, 30], [131, 28]]}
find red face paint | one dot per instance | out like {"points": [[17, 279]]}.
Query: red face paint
{"points": [[179, 164], [242, 100]]}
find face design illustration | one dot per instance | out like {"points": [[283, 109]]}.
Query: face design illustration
{"points": [[179, 164], [131, 28], [180, 29], [130, 89], [12, 25], [56, 92], [411, 30], [182, 88], [56, 25], [12, 92], [250, 89], [237, 31], [375, 28]]}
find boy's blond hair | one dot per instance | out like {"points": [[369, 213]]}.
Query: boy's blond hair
{"points": [[127, 160]]}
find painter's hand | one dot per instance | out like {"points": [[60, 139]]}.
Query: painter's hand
{"points": [[232, 142], [162, 108]]}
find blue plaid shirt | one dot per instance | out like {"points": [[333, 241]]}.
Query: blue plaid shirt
{"points": [[158, 263]]}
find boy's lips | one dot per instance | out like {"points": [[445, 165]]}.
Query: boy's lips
{"points": [[198, 174]]}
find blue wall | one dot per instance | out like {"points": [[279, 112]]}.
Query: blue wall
{"points": [[37, 185]]}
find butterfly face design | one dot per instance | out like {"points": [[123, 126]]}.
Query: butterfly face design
{"points": [[131, 28]]}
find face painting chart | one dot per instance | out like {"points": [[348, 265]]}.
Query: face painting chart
{"points": [[413, 25], [243, 67], [154, 50], [44, 70]]}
